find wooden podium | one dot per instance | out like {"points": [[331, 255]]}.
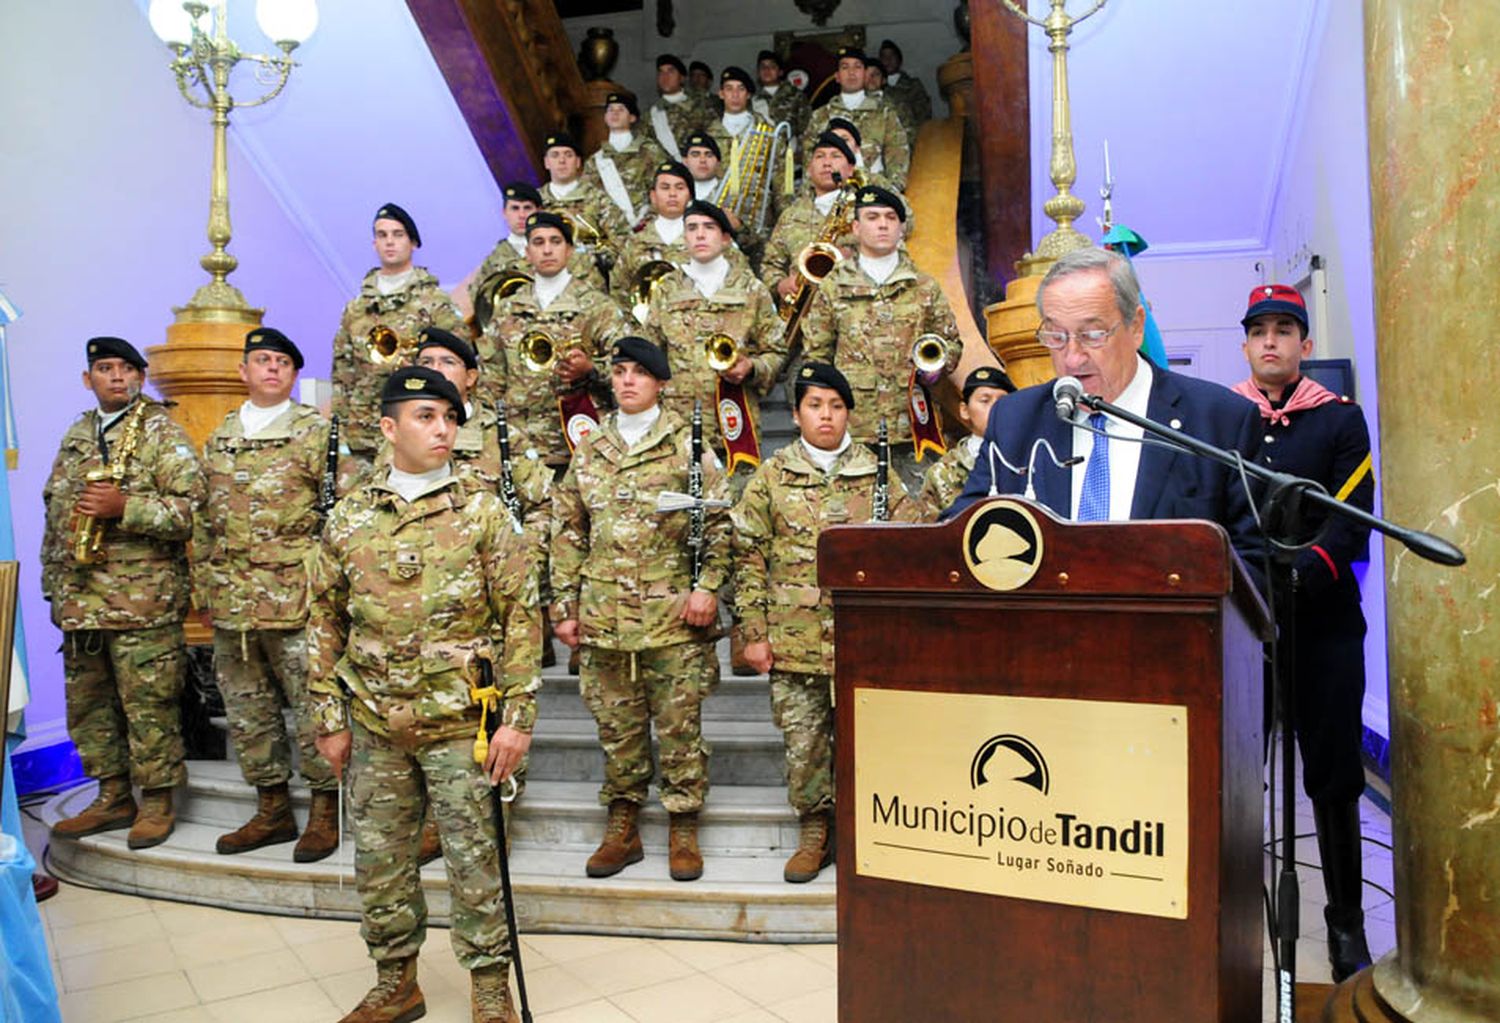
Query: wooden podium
{"points": [[1088, 695]]}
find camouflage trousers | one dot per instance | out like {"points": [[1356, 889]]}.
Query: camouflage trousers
{"points": [[390, 787], [259, 672], [628, 692], [802, 707], [124, 713]]}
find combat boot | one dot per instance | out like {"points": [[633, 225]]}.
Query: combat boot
{"points": [[814, 849], [112, 808], [432, 843], [622, 841], [321, 836], [155, 821], [273, 823], [490, 995], [683, 858], [395, 998]]}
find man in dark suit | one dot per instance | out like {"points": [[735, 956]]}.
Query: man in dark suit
{"points": [[1092, 322]]}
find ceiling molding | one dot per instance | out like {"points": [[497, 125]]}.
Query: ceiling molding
{"points": [[1299, 86], [1224, 248]]}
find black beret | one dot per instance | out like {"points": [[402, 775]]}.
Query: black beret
{"points": [[768, 55], [521, 191], [673, 168], [830, 140], [847, 125], [702, 140], [672, 60], [698, 65], [437, 337], [547, 218], [874, 195], [390, 211], [821, 374], [851, 52], [887, 44], [987, 376], [737, 74], [561, 138], [114, 348], [626, 100], [410, 383], [703, 208], [650, 356], [271, 339], [874, 62]]}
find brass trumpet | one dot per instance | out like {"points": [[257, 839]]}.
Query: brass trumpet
{"points": [[646, 280], [387, 348], [538, 351], [499, 285], [722, 351], [930, 354]]}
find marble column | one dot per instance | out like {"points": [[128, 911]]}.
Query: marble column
{"points": [[1433, 101]]}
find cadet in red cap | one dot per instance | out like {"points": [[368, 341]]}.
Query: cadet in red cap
{"points": [[1312, 432]]}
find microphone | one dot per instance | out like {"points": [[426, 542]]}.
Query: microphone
{"points": [[1067, 392]]}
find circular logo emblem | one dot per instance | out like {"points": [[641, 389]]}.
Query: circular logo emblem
{"points": [[1003, 545], [731, 424], [919, 406], [798, 78], [580, 426]]}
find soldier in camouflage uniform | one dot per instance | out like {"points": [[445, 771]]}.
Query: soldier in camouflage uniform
{"points": [[659, 236], [121, 617], [396, 295], [778, 100], [883, 137], [419, 579], [624, 593], [732, 133], [679, 111], [623, 166], [568, 192], [865, 318], [252, 541], [580, 319], [904, 90], [945, 480], [820, 480], [701, 85], [509, 253], [875, 88], [802, 221]]}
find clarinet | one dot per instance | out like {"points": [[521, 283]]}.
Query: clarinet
{"points": [[695, 491], [328, 490], [881, 510], [507, 474]]}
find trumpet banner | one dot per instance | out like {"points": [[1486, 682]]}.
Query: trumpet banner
{"points": [[736, 427], [926, 421]]}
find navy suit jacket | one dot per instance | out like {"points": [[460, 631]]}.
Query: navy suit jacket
{"points": [[1168, 485]]}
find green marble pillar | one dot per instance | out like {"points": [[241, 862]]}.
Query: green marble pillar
{"points": [[1433, 90]]}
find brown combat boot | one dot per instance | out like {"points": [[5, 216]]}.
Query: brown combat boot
{"points": [[395, 998], [814, 849], [273, 823], [432, 843], [490, 995], [683, 858], [156, 820], [112, 808], [737, 663], [321, 836], [622, 841]]}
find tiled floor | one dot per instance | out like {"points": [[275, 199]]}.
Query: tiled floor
{"points": [[118, 957]]}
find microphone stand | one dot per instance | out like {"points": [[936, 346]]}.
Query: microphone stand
{"points": [[1282, 516]]}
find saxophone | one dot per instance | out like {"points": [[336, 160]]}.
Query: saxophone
{"points": [[87, 531], [818, 258]]}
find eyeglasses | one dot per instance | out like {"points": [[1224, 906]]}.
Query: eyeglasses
{"points": [[1058, 339]]}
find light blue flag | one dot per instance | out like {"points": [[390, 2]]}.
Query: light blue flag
{"points": [[8, 315], [1127, 243]]}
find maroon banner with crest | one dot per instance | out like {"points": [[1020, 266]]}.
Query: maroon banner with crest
{"points": [[926, 424], [736, 426], [579, 416]]}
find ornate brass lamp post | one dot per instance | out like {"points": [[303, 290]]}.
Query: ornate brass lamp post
{"points": [[196, 367]]}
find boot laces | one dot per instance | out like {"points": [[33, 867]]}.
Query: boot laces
{"points": [[814, 832], [388, 978], [619, 822]]}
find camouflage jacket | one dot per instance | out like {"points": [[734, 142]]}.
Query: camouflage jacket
{"points": [[582, 316], [253, 537], [909, 94], [589, 201], [683, 118], [945, 480], [356, 380], [867, 330], [637, 164], [476, 451], [618, 566], [797, 227], [644, 245], [143, 581], [789, 104], [786, 504], [883, 140], [505, 257], [681, 318], [408, 597]]}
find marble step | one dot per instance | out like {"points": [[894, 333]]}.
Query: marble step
{"points": [[741, 895], [741, 752]]}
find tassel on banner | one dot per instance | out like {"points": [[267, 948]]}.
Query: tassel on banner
{"points": [[926, 420]]}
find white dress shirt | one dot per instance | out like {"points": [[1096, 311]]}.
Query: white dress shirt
{"points": [[1124, 451]]}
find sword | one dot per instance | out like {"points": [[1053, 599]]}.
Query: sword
{"points": [[498, 799]]}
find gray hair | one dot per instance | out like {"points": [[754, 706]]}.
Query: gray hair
{"points": [[1092, 260]]}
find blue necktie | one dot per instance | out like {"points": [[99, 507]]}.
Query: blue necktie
{"points": [[1093, 503]]}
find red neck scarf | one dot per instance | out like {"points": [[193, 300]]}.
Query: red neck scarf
{"points": [[1306, 393]]}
